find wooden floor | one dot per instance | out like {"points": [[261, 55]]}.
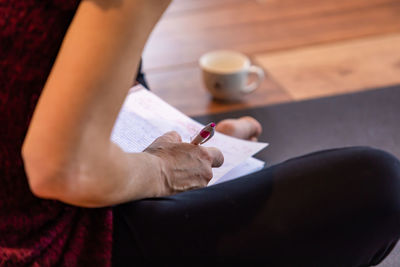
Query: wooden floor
{"points": [[308, 48]]}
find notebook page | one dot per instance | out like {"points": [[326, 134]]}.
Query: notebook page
{"points": [[144, 117]]}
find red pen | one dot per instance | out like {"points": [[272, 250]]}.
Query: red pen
{"points": [[204, 135]]}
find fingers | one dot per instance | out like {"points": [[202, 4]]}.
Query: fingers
{"points": [[216, 156]]}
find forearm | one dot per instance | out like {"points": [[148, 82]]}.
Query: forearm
{"points": [[98, 178]]}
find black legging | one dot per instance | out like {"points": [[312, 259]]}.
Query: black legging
{"points": [[338, 207]]}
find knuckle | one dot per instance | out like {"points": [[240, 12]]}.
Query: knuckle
{"points": [[172, 136], [158, 139], [175, 134]]}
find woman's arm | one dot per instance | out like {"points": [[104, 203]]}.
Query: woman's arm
{"points": [[67, 151]]}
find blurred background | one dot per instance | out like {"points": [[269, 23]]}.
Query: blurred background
{"points": [[308, 48]]}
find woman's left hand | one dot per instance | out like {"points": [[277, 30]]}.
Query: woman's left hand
{"points": [[246, 128]]}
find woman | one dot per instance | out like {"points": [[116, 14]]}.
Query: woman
{"points": [[76, 199]]}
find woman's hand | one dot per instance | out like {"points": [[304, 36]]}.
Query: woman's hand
{"points": [[246, 128], [183, 166]]}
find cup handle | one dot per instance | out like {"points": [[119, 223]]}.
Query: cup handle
{"points": [[260, 77]]}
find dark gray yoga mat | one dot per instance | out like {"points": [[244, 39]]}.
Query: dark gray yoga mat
{"points": [[369, 118]]}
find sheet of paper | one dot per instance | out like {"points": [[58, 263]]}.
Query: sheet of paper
{"points": [[144, 117], [250, 165]]}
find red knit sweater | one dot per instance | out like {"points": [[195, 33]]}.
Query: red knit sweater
{"points": [[33, 231]]}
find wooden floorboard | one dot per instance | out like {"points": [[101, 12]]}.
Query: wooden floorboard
{"points": [[260, 28], [183, 88], [234, 12], [255, 28], [336, 68]]}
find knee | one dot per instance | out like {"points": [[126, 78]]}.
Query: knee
{"points": [[380, 177], [378, 165]]}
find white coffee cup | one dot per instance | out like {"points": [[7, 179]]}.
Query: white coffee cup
{"points": [[226, 74]]}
